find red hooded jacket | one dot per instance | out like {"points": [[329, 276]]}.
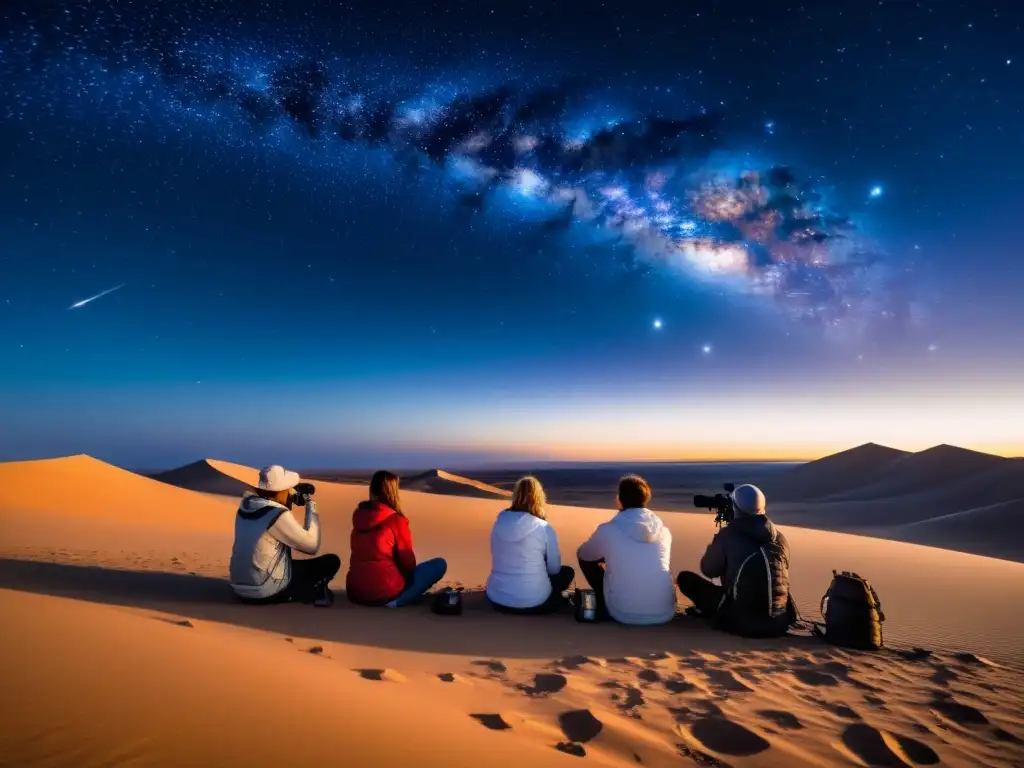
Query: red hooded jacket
{"points": [[382, 559]]}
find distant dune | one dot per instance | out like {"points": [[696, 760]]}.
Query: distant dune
{"points": [[439, 481], [943, 464], [205, 476], [87, 487], [935, 497], [836, 473], [993, 529]]}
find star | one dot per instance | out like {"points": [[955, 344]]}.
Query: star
{"points": [[876, 191], [933, 347], [657, 323], [706, 349]]}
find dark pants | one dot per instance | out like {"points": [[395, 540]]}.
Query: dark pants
{"points": [[593, 572], [705, 595], [559, 583], [424, 576], [308, 578]]}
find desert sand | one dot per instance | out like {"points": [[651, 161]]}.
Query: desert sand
{"points": [[122, 645]]}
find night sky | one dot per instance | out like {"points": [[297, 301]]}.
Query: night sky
{"points": [[360, 233]]}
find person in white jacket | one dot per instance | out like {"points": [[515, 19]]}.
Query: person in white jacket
{"points": [[626, 561], [527, 575], [266, 532]]}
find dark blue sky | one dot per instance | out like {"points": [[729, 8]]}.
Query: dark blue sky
{"points": [[450, 232]]}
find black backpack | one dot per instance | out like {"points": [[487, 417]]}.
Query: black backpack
{"points": [[752, 592], [852, 613]]}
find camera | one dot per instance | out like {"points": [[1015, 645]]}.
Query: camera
{"points": [[721, 503], [302, 494]]}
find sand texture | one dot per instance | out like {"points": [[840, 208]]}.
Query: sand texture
{"points": [[122, 646]]}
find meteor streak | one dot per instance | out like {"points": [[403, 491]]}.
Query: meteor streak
{"points": [[83, 302]]}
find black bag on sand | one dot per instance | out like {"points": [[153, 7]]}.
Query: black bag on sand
{"points": [[447, 602], [852, 613]]}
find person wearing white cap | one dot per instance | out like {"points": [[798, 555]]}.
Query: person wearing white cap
{"points": [[751, 557], [262, 569]]}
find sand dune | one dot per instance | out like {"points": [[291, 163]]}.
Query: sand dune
{"points": [[836, 473], [205, 476], [894, 494], [992, 529], [127, 627], [439, 481], [943, 464], [84, 486]]}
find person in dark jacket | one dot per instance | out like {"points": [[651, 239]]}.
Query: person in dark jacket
{"points": [[383, 568], [749, 533]]}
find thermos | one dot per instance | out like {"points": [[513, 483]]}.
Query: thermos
{"points": [[586, 605]]}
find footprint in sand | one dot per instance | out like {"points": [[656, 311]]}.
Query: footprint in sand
{"points": [[815, 678], [579, 725], [970, 660], [944, 675], [494, 722], [875, 701], [723, 678], [687, 715], [575, 662], [380, 675], [678, 685], [722, 735], [451, 677], [884, 749], [840, 710], [781, 718], [700, 758], [628, 701], [961, 714], [543, 684], [648, 675], [492, 665], [571, 748]]}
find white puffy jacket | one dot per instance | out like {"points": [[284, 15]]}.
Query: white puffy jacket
{"points": [[524, 552], [638, 586]]}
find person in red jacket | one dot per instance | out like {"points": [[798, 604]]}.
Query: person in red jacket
{"points": [[383, 568]]}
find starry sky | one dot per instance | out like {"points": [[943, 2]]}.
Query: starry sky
{"points": [[410, 233]]}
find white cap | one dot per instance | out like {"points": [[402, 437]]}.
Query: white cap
{"points": [[277, 478], [749, 500]]}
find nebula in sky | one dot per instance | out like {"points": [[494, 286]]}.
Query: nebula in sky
{"points": [[675, 189]]}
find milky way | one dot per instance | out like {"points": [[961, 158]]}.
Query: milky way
{"points": [[672, 189]]}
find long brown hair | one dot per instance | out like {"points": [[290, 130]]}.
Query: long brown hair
{"points": [[384, 489], [529, 497]]}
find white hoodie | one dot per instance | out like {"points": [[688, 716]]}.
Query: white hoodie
{"points": [[524, 552], [635, 546]]}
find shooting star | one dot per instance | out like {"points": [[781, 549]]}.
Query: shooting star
{"points": [[83, 302]]}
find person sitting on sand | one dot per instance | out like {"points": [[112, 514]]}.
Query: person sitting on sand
{"points": [[527, 575], [626, 561], [266, 532], [751, 545], [383, 568]]}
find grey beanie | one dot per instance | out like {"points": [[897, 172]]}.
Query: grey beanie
{"points": [[749, 500]]}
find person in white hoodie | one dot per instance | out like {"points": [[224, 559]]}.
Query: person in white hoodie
{"points": [[266, 532], [527, 575], [626, 561]]}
